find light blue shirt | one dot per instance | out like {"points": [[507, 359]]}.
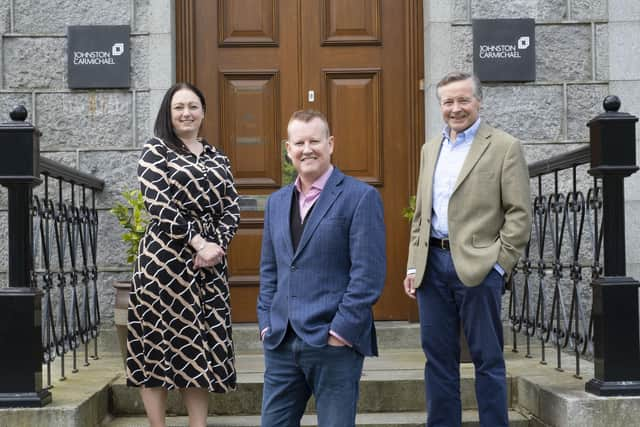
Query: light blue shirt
{"points": [[450, 160]]}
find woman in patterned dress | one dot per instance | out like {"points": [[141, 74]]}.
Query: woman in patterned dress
{"points": [[179, 318]]}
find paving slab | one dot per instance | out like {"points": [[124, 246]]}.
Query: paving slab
{"points": [[385, 419]]}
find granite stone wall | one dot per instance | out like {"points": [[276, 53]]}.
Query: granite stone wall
{"points": [[95, 131]]}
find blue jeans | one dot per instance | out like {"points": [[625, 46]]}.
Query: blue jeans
{"points": [[444, 301], [295, 370]]}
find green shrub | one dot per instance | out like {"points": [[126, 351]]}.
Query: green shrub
{"points": [[133, 218]]}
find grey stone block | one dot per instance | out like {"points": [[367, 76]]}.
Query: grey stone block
{"points": [[461, 49], [540, 10], [41, 16], [113, 251], [140, 62], [35, 63], [84, 120], [436, 11], [584, 102], [5, 16], [623, 39], [624, 10], [602, 52], [527, 112], [116, 168], [142, 12], [563, 52], [10, 100], [632, 229], [144, 118], [437, 39], [589, 10], [460, 10]]}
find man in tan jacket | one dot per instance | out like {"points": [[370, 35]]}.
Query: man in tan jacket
{"points": [[471, 224]]}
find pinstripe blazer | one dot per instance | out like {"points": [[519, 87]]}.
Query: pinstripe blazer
{"points": [[337, 272]]}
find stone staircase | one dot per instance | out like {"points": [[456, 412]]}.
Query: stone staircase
{"points": [[391, 393]]}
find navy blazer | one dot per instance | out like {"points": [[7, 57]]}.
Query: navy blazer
{"points": [[337, 272]]}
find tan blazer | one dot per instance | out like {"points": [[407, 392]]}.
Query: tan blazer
{"points": [[489, 210]]}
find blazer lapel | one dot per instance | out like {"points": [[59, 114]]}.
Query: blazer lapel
{"points": [[284, 218], [328, 196], [430, 164], [480, 143]]}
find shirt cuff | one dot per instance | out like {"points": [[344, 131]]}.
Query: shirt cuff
{"points": [[411, 271], [499, 269], [338, 337]]}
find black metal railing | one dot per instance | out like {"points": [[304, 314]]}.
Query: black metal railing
{"points": [[50, 307], [65, 244], [570, 289], [550, 300]]}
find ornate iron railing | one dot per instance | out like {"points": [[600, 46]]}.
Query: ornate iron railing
{"points": [[550, 300], [50, 307], [65, 245], [571, 290]]}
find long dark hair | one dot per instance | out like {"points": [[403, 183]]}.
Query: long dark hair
{"points": [[163, 128]]}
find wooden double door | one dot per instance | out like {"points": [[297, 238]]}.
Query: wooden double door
{"points": [[358, 61]]}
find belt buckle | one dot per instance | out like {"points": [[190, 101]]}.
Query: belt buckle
{"points": [[444, 244]]}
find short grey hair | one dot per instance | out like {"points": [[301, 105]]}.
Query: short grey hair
{"points": [[456, 76]]}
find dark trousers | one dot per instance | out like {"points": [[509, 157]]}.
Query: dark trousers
{"points": [[444, 302], [295, 370]]}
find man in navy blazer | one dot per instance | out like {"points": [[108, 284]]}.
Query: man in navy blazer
{"points": [[322, 268]]}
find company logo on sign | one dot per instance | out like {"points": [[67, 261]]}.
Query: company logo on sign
{"points": [[98, 57], [504, 50]]}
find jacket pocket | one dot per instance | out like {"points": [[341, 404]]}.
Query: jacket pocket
{"points": [[479, 241]]}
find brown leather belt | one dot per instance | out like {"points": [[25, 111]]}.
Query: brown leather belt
{"points": [[439, 243]]}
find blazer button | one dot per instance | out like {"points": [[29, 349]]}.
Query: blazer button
{"points": [[293, 268]]}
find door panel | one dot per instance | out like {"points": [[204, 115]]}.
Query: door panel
{"points": [[249, 126], [356, 95], [236, 27], [257, 61]]}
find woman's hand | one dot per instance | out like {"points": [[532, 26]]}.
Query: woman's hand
{"points": [[207, 254]]}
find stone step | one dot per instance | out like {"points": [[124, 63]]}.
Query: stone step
{"points": [[393, 382], [391, 335], [384, 419]]}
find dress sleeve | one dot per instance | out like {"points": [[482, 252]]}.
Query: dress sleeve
{"points": [[228, 224], [158, 194]]}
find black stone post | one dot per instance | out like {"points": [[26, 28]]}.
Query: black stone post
{"points": [[20, 303], [615, 296]]}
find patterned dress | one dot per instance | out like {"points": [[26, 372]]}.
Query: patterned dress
{"points": [[179, 318]]}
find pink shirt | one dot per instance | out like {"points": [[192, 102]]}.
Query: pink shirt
{"points": [[306, 200]]}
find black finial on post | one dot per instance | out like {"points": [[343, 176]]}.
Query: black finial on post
{"points": [[611, 103], [19, 113]]}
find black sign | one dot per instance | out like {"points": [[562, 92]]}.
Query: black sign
{"points": [[98, 56], [504, 50]]}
